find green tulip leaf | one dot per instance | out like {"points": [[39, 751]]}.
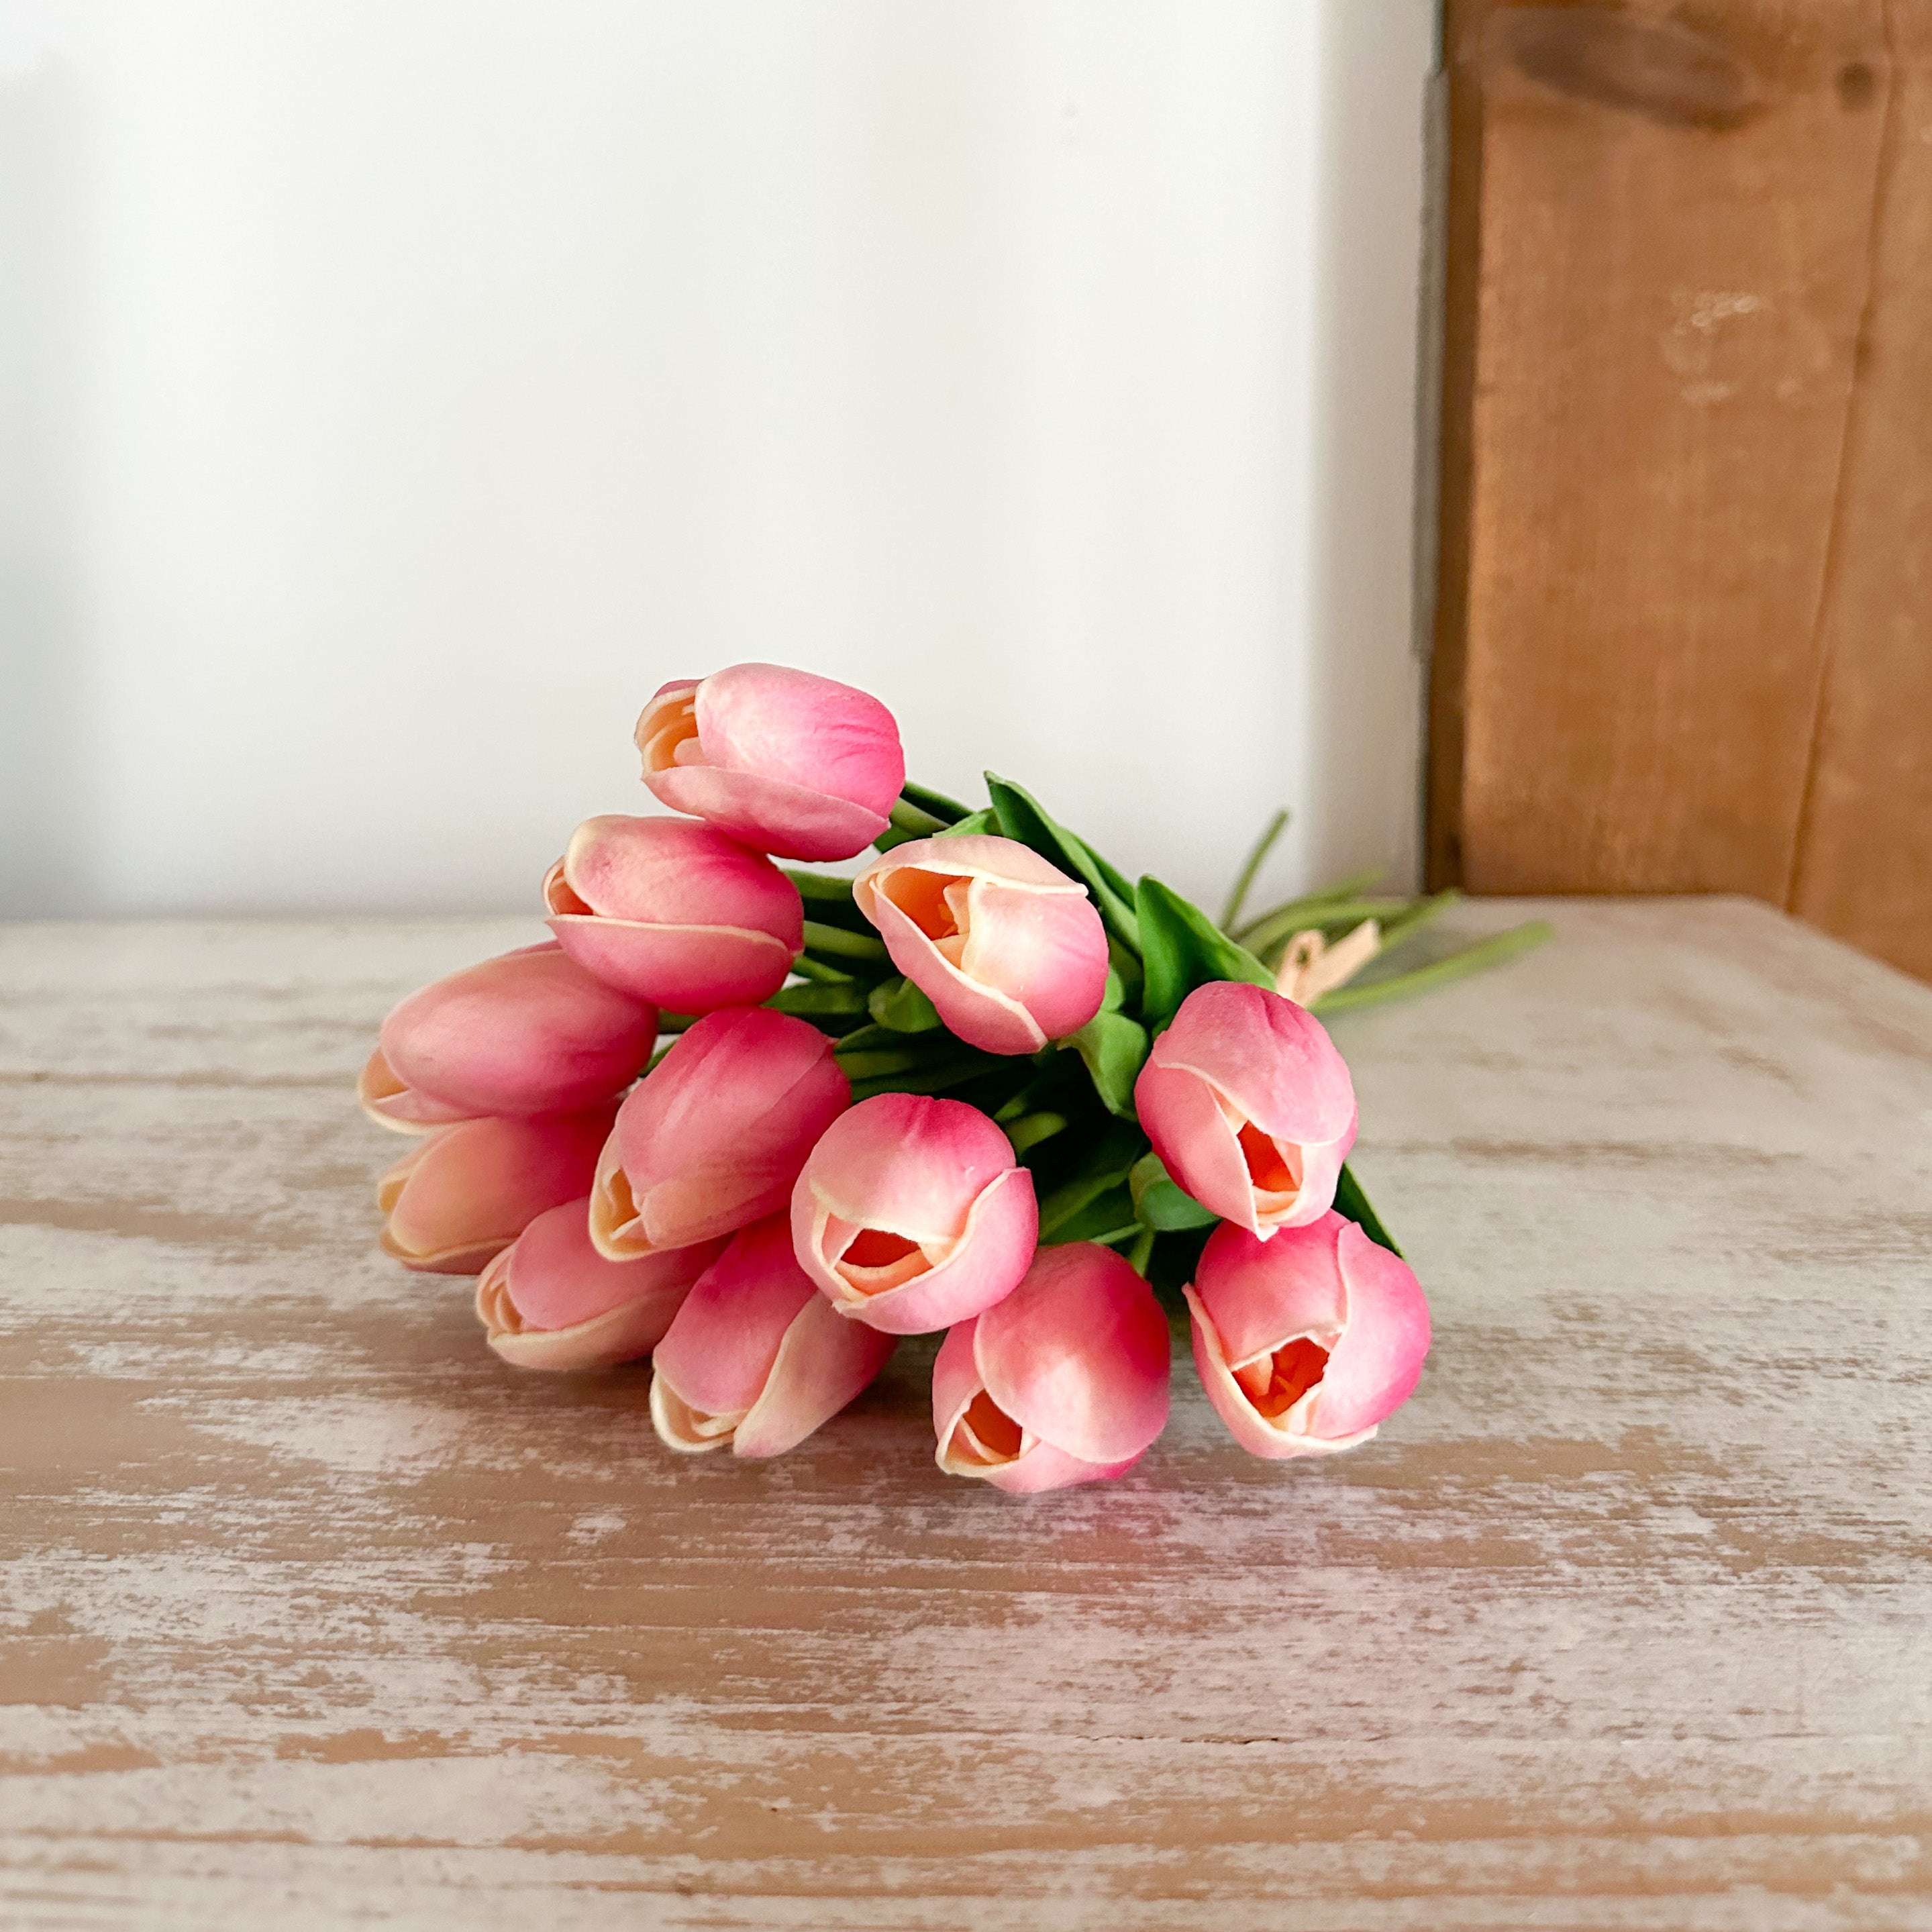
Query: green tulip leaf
{"points": [[1181, 949], [1353, 1204], [900, 1005], [828, 997], [1107, 1161], [1113, 1048], [1161, 1202], [1108, 1217], [981, 821], [1021, 818], [935, 805]]}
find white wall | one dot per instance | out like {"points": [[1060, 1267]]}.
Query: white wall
{"points": [[393, 392]]}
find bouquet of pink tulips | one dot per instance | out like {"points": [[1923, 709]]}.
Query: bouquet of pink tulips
{"points": [[759, 1122]]}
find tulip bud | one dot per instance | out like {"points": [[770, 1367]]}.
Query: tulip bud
{"points": [[1064, 1381], [550, 1300], [462, 1194], [675, 913], [1010, 950], [755, 1358], [1249, 1106], [911, 1214], [530, 1033], [712, 1139], [788, 762], [1304, 1343]]}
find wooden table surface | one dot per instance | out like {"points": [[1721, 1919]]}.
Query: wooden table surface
{"points": [[312, 1612]]}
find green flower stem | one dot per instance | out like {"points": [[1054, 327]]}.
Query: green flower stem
{"points": [[1405, 925], [1475, 959], [1238, 896], [1029, 1130], [817, 969], [827, 887], [840, 944], [1272, 933], [841, 996], [1353, 887], [916, 823], [1141, 1253]]}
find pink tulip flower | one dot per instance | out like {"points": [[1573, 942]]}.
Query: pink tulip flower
{"points": [[464, 1193], [530, 1033], [755, 1358], [550, 1300], [1064, 1381], [792, 763], [674, 912], [712, 1139], [1249, 1105], [1009, 950], [911, 1214], [1304, 1343]]}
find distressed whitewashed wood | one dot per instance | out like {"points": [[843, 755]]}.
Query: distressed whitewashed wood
{"points": [[312, 1612]]}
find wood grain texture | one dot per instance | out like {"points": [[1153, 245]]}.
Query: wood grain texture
{"points": [[1864, 862], [312, 1612], [1673, 241]]}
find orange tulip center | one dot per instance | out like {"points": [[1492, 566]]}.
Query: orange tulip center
{"points": [[1272, 1169], [938, 903], [674, 739], [876, 1259], [562, 897], [1275, 1383], [986, 1435]]}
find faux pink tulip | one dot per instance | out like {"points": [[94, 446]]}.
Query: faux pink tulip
{"points": [[530, 1033], [550, 1300], [1064, 1381], [911, 1213], [1249, 1105], [755, 1358], [788, 762], [674, 912], [1010, 950], [464, 1193], [1304, 1343], [712, 1138]]}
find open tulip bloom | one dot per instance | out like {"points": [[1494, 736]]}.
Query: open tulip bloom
{"points": [[756, 1122]]}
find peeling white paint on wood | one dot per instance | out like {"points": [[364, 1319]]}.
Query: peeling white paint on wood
{"points": [[312, 1612]]}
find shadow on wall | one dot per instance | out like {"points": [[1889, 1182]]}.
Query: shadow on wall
{"points": [[1363, 574], [45, 839]]}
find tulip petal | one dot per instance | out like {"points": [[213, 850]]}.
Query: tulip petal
{"points": [[1009, 949], [1077, 1355], [713, 1137], [981, 1016], [822, 1364], [624, 1334], [789, 762], [718, 1355], [1277, 1440], [984, 1264], [1043, 1467], [690, 1431], [1374, 1368], [530, 1033], [685, 969], [465, 1191], [1249, 1106]]}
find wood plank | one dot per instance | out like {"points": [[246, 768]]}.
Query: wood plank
{"points": [[1864, 867], [312, 1611], [1674, 252]]}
